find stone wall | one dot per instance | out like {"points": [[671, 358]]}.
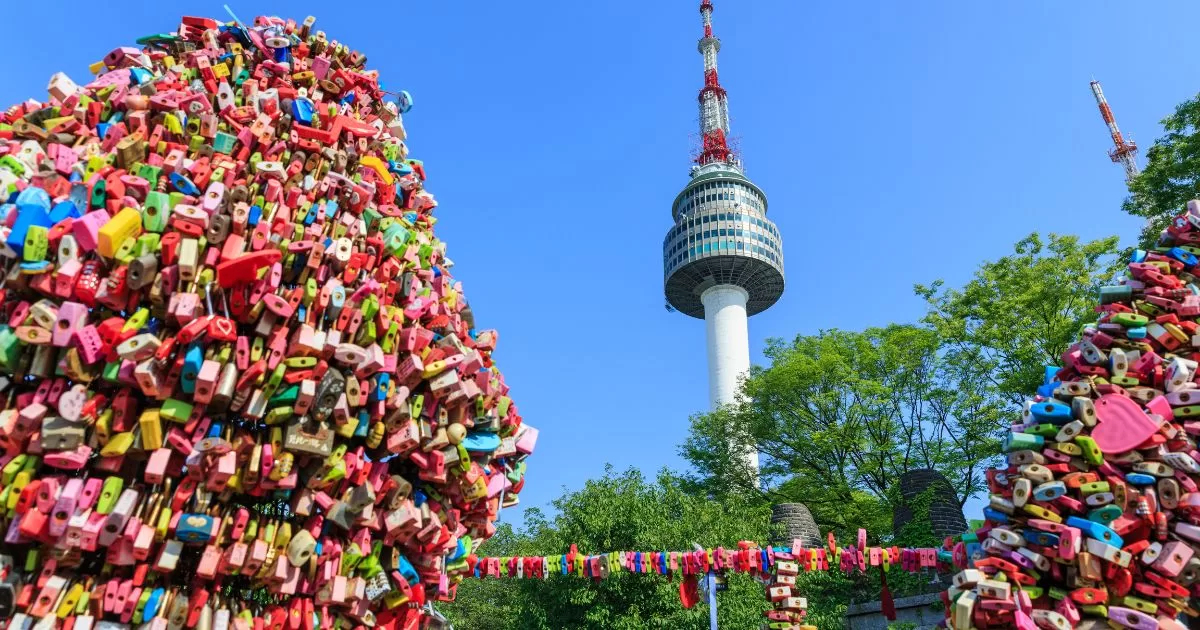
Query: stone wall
{"points": [[944, 512], [926, 611], [797, 523]]}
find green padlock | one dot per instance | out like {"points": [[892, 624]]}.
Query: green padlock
{"points": [[1131, 320], [1105, 515], [99, 194], [111, 372], [1091, 451], [108, 494], [156, 211], [224, 143], [10, 347], [147, 244], [36, 244], [1190, 411], [175, 410]]}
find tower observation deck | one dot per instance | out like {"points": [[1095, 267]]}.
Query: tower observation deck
{"points": [[722, 258]]}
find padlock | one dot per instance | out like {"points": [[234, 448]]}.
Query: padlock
{"points": [[309, 437]]}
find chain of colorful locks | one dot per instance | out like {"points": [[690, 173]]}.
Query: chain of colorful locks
{"points": [[1096, 519], [240, 386], [774, 566]]}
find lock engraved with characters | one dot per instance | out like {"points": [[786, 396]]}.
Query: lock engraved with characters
{"points": [[312, 437]]}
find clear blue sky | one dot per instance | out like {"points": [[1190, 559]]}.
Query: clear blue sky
{"points": [[898, 143]]}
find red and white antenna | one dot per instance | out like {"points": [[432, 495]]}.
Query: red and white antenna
{"points": [[1125, 151], [714, 103]]}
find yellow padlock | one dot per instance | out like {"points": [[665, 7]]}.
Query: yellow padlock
{"points": [[151, 425], [118, 444], [126, 225]]}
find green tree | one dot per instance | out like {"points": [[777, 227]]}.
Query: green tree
{"points": [[620, 511], [838, 417], [1172, 174], [1020, 312]]}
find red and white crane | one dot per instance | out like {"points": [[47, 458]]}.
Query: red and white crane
{"points": [[1124, 151]]}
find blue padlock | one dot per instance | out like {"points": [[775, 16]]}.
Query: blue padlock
{"points": [[194, 528], [1040, 538], [302, 110], [27, 216], [1051, 411], [404, 101], [993, 514], [481, 442], [1183, 256], [1049, 491], [184, 185], [1140, 479], [1092, 529], [407, 571], [193, 359], [65, 209]]}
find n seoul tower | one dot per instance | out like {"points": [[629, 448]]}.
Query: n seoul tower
{"points": [[722, 258]]}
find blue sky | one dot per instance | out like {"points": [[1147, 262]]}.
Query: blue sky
{"points": [[898, 143]]}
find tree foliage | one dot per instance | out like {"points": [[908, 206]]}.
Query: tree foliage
{"points": [[1020, 312], [837, 417], [1172, 173], [620, 511]]}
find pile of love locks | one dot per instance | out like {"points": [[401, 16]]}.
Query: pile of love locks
{"points": [[240, 388], [1095, 523]]}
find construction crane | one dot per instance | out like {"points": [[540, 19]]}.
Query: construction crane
{"points": [[1124, 151]]}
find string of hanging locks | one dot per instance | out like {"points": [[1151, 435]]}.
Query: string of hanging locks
{"points": [[748, 557]]}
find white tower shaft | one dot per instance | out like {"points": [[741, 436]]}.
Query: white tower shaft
{"points": [[728, 347]]}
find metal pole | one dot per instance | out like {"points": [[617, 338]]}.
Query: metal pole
{"points": [[711, 581]]}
